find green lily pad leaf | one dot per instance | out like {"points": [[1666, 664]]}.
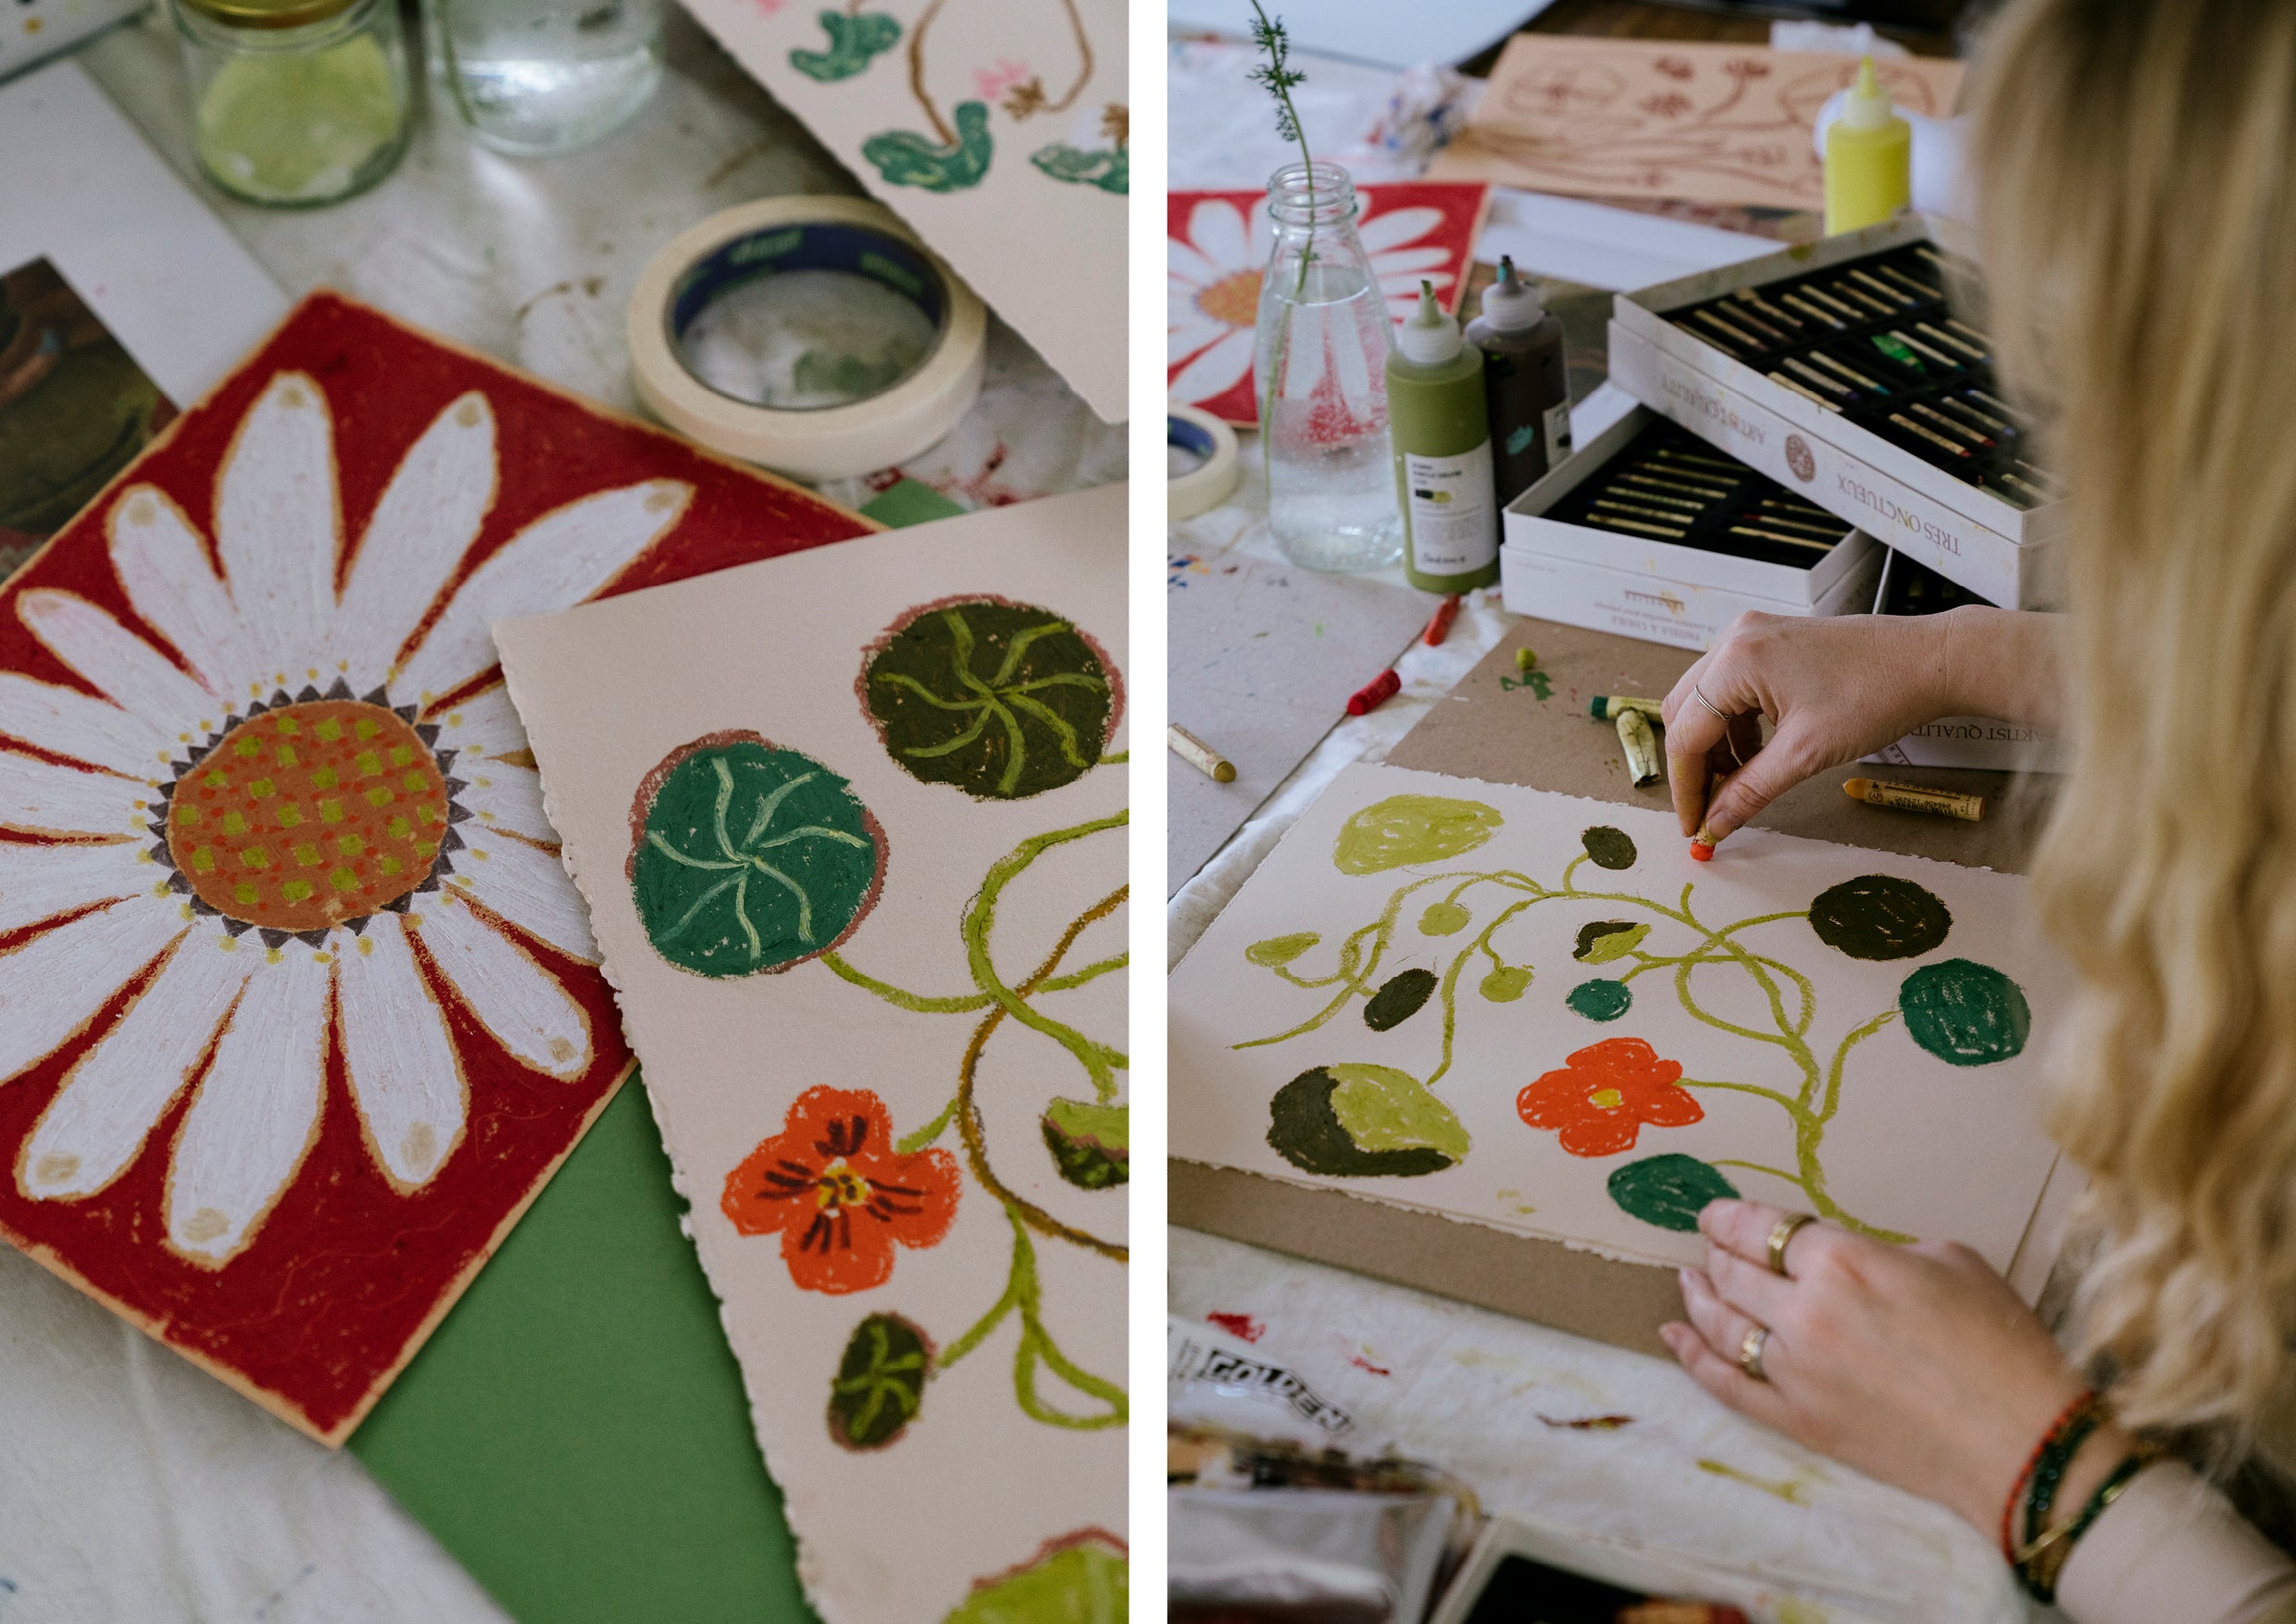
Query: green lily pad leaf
{"points": [[905, 158], [1411, 828], [1353, 1121], [1110, 169], [1443, 918], [748, 858], [1084, 1578], [1398, 999], [879, 1382], [1091, 1143], [1966, 1013], [1002, 700], [1281, 950], [1606, 940], [1669, 1191], [1506, 983], [1880, 916], [1600, 999], [1609, 848], [854, 40]]}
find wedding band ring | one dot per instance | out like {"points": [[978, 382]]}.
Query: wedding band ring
{"points": [[1781, 1235], [1749, 1348]]}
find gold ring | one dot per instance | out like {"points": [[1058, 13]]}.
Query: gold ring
{"points": [[1749, 1348], [1781, 1235]]}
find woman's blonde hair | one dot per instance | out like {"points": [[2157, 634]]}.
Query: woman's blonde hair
{"points": [[2136, 163]]}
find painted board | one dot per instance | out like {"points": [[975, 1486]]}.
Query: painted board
{"points": [[298, 1009], [1216, 248], [1001, 133], [1263, 656], [1536, 1013], [1710, 123], [851, 828], [1369, 31]]}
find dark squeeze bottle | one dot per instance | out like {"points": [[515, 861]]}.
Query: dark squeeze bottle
{"points": [[1526, 387]]}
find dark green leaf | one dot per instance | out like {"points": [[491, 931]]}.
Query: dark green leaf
{"points": [[879, 1382]]}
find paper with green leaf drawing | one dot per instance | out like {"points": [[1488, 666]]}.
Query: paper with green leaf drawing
{"points": [[999, 129], [1536, 1012], [852, 828]]}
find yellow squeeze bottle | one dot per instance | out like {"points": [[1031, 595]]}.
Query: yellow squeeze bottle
{"points": [[1869, 168]]}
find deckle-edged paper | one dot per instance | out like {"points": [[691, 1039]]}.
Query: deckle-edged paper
{"points": [[1001, 131], [852, 827], [1536, 1012], [297, 1008]]}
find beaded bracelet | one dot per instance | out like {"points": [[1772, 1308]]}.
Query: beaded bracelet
{"points": [[2041, 1562], [2056, 1457], [2080, 1405]]}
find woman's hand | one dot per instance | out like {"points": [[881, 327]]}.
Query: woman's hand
{"points": [[1916, 1365]]}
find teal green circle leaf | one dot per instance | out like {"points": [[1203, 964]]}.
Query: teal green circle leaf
{"points": [[748, 858], [1610, 848], [1398, 999], [1001, 700], [1880, 916], [879, 1383], [1669, 1191], [1964, 1013], [1600, 999]]}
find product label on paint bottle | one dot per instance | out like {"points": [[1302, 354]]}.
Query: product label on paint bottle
{"points": [[1558, 434], [1454, 523]]}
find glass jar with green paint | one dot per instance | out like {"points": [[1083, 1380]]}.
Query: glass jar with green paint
{"points": [[296, 103]]}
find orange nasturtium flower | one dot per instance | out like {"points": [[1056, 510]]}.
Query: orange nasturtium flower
{"points": [[1605, 1094], [839, 1194]]}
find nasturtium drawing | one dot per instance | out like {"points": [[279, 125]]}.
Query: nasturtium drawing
{"points": [[1669, 1191], [746, 857], [1000, 699], [1363, 1120], [1880, 916], [1964, 1013], [1398, 999], [879, 1383], [1405, 829], [1091, 1143], [1604, 1095], [856, 40]]}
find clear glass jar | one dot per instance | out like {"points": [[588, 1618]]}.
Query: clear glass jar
{"points": [[1319, 367], [296, 103], [534, 78]]}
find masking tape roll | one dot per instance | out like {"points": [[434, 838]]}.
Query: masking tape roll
{"points": [[1213, 479], [807, 233]]}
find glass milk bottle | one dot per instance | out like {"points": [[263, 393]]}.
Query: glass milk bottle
{"points": [[1319, 369], [536, 78]]}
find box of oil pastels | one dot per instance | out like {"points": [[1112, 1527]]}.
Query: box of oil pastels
{"points": [[1845, 372], [1649, 533]]}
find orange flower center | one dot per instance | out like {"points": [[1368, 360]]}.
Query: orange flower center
{"points": [[1607, 1099], [1234, 299], [841, 1186], [309, 814]]}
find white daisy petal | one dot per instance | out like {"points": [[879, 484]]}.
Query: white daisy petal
{"points": [[1397, 227], [118, 663], [554, 563], [527, 887], [1183, 339], [160, 561], [41, 797], [1216, 370], [429, 516], [505, 797], [1414, 262], [276, 523], [53, 984], [1187, 273], [257, 1112], [64, 721], [1217, 231], [112, 1098], [43, 881], [524, 1007], [405, 1076], [480, 728]]}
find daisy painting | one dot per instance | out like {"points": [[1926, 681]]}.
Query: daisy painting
{"points": [[1218, 243], [298, 1007]]}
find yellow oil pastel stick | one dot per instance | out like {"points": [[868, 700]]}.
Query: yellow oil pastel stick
{"points": [[1200, 756], [1874, 792], [1641, 748]]}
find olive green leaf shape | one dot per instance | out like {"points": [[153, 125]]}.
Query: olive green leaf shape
{"points": [[1669, 1191], [1110, 170], [1398, 999], [879, 1382], [1085, 1580], [1443, 918], [1002, 700], [1281, 950], [854, 40], [1966, 1013], [1091, 1143], [1600, 999], [1880, 916], [1606, 940], [750, 858], [1506, 983], [905, 158], [1354, 1121], [1610, 848], [1411, 828]]}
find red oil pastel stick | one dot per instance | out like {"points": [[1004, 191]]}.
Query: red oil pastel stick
{"points": [[1374, 694], [1440, 627]]}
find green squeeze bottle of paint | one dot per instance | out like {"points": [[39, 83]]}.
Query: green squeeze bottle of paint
{"points": [[1441, 434], [1526, 387]]}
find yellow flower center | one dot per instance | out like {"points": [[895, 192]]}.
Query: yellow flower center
{"points": [[841, 1186], [1234, 299], [1607, 1099], [309, 814]]}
